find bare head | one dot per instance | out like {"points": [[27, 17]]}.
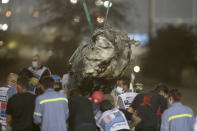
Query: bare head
{"points": [[36, 62], [12, 79]]}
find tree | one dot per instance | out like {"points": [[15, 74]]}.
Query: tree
{"points": [[13, 51], [170, 51], [71, 25]]}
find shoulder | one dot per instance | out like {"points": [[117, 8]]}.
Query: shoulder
{"points": [[44, 68], [30, 68], [188, 108], [4, 88], [166, 112], [40, 97], [61, 94], [14, 97]]}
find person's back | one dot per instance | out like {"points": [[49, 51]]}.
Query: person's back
{"points": [[147, 105], [81, 114], [179, 117], [111, 119], [51, 111], [21, 107]]}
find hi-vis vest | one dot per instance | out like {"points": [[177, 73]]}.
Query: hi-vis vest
{"points": [[112, 120], [128, 98], [38, 73], [3, 105]]}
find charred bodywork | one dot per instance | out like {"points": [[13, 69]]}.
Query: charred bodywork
{"points": [[99, 62]]}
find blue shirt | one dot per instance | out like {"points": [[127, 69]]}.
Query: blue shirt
{"points": [[177, 118], [51, 111]]}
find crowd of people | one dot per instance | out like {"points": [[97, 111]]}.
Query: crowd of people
{"points": [[36, 100]]}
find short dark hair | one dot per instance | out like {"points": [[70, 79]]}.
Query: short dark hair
{"points": [[126, 80], [75, 92], [26, 73], [162, 87], [176, 94], [23, 82], [47, 82], [106, 105]]}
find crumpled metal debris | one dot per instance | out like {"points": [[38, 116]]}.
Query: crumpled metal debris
{"points": [[105, 57]]}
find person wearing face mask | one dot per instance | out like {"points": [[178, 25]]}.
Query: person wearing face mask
{"points": [[39, 71], [126, 96], [178, 117]]}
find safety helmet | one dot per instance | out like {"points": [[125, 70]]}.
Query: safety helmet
{"points": [[56, 78], [97, 97]]}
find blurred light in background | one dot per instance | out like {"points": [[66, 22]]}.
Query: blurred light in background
{"points": [[143, 38], [12, 45], [179, 21], [136, 69], [100, 20], [8, 13], [36, 14], [77, 19], [98, 2], [106, 3], [4, 27], [50, 53], [1, 43], [5, 1], [74, 1]]}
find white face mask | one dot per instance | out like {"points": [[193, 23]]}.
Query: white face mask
{"points": [[34, 64], [170, 101], [119, 90]]}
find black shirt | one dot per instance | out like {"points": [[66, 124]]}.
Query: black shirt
{"points": [[147, 106], [21, 108], [81, 116]]}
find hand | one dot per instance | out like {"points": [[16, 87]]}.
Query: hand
{"points": [[131, 110]]}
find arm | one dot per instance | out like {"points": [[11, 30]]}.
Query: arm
{"points": [[9, 119], [164, 104], [38, 113], [195, 125], [133, 106], [120, 103], [131, 115], [135, 120]]}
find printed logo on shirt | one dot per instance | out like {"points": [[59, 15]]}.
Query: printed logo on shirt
{"points": [[108, 118], [147, 99], [3, 113], [3, 105]]}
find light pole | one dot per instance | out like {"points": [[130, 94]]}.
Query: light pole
{"points": [[150, 17], [194, 3]]}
